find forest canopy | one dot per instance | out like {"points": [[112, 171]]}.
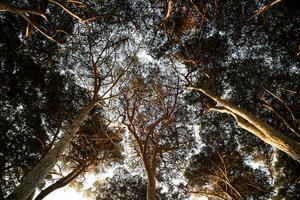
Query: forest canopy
{"points": [[151, 99]]}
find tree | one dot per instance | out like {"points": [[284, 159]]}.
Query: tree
{"points": [[240, 73], [45, 165], [154, 116], [286, 175], [124, 185], [96, 145], [38, 18], [108, 78], [220, 170], [236, 56], [256, 126], [50, 57], [34, 106]]}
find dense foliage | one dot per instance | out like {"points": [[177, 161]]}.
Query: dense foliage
{"points": [[193, 98]]}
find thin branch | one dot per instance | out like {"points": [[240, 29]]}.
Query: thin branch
{"points": [[121, 74], [285, 105], [290, 126], [131, 129], [168, 14], [256, 187], [77, 2], [39, 29], [175, 99], [263, 9], [224, 179], [151, 130], [203, 17], [19, 11], [118, 94], [157, 89], [82, 21]]}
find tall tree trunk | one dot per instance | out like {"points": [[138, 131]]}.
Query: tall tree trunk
{"points": [[42, 169], [259, 128], [149, 165], [151, 185]]}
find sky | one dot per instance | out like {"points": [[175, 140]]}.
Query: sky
{"points": [[69, 193], [65, 194]]}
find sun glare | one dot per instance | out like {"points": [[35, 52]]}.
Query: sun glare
{"points": [[198, 197], [202, 198], [66, 193]]}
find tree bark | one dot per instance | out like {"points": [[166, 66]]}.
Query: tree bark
{"points": [[151, 185], [4, 4], [151, 173], [46, 164], [61, 182], [256, 126]]}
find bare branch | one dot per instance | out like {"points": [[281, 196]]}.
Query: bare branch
{"points": [[290, 126], [19, 11], [151, 130], [121, 74], [39, 29], [203, 17], [82, 21], [168, 14], [285, 105], [263, 9]]}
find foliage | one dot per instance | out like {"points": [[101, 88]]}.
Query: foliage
{"points": [[124, 185], [220, 169], [138, 57]]}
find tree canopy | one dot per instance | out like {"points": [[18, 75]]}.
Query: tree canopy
{"points": [[179, 99]]}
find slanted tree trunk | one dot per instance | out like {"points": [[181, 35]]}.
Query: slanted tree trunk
{"points": [[256, 126], [42, 169], [4, 4]]}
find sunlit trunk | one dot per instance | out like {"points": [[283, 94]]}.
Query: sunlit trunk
{"points": [[43, 168], [256, 126], [4, 4]]}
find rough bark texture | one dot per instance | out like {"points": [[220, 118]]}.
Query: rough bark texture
{"points": [[46, 164], [150, 166], [256, 126], [151, 185]]}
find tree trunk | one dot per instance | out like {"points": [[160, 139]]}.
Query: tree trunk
{"points": [[4, 4], [61, 182], [257, 127], [46, 164], [151, 185]]}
